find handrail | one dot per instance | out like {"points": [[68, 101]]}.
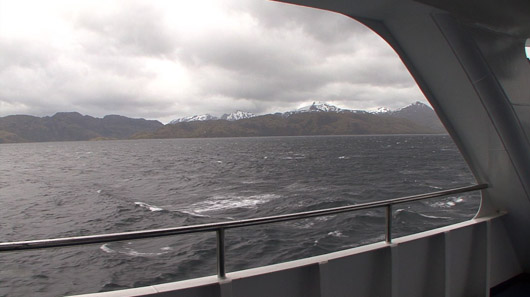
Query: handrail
{"points": [[221, 226]]}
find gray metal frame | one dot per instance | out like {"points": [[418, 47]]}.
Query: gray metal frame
{"points": [[220, 227]]}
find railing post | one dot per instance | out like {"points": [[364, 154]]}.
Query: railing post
{"points": [[388, 235], [221, 253]]}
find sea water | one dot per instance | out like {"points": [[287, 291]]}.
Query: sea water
{"points": [[66, 189]]}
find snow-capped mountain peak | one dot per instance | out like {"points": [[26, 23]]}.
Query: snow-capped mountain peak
{"points": [[195, 118], [415, 105], [238, 115], [319, 106], [316, 106], [382, 110]]}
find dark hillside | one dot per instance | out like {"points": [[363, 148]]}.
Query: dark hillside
{"points": [[321, 123], [66, 126]]}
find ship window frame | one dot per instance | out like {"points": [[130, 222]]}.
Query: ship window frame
{"points": [[527, 49]]}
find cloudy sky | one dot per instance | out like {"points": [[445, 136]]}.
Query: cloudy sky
{"points": [[168, 59]]}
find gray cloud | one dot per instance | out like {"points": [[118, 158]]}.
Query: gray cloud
{"points": [[137, 28], [138, 61], [294, 66]]}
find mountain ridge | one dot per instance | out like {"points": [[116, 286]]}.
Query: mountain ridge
{"points": [[71, 126], [316, 119], [316, 106], [234, 116]]}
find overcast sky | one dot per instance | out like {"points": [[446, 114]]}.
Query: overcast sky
{"points": [[169, 59]]}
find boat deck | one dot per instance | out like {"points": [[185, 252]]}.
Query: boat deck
{"points": [[518, 286]]}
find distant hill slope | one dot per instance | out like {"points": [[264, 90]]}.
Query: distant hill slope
{"points": [[235, 116], [314, 123], [65, 126], [316, 119], [420, 114], [319, 118]]}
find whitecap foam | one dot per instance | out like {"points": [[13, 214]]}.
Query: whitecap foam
{"points": [[193, 213], [310, 223], [324, 218], [249, 182], [433, 217], [105, 247], [132, 252], [442, 204], [135, 253], [222, 202], [294, 157], [336, 233], [303, 224], [420, 214], [148, 206], [452, 201]]}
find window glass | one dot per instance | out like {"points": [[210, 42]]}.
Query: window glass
{"points": [[252, 108]]}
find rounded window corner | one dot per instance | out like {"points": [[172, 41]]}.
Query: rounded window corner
{"points": [[527, 48]]}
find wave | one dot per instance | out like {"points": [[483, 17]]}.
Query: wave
{"points": [[446, 203], [413, 214], [128, 251], [148, 206], [294, 157], [310, 223], [336, 233], [435, 187], [409, 171], [106, 249], [434, 217], [192, 213], [251, 182], [222, 202]]}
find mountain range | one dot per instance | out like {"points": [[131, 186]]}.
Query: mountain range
{"points": [[239, 115], [235, 116], [316, 119]]}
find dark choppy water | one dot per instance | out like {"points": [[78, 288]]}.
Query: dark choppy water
{"points": [[81, 188]]}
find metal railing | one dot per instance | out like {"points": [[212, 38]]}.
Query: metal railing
{"points": [[220, 227]]}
